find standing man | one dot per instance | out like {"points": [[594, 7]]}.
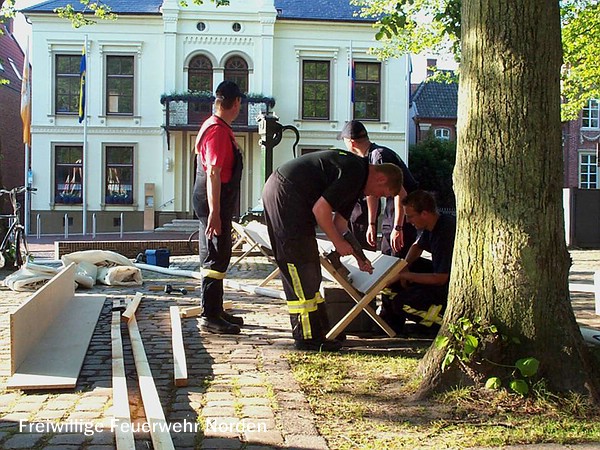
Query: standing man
{"points": [[421, 289], [397, 236], [216, 193], [319, 188]]}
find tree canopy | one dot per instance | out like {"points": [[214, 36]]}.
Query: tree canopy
{"points": [[416, 26]]}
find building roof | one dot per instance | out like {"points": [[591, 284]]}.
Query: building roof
{"points": [[117, 6], [436, 99], [323, 10], [11, 60]]}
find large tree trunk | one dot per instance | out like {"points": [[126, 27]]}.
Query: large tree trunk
{"points": [[510, 259]]}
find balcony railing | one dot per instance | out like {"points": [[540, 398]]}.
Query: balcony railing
{"points": [[188, 111]]}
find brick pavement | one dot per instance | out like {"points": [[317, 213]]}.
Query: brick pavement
{"points": [[241, 391]]}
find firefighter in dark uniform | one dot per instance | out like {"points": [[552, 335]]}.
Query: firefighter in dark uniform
{"points": [[216, 193], [321, 189], [397, 235], [420, 291]]}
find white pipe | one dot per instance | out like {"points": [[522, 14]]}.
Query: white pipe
{"points": [[257, 290]]}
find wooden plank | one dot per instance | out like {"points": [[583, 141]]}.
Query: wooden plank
{"points": [[161, 439], [193, 311], [190, 311], [179, 361], [55, 361], [132, 307], [123, 431], [30, 321]]}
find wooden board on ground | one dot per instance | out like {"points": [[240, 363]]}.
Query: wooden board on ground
{"points": [[50, 334], [123, 431], [132, 307], [179, 360], [161, 439], [190, 311]]}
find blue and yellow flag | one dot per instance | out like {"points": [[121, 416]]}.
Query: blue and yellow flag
{"points": [[82, 86]]}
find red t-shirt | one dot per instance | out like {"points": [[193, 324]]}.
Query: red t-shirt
{"points": [[216, 146]]}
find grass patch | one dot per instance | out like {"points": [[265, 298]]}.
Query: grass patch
{"points": [[364, 401]]}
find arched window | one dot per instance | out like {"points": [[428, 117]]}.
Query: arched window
{"points": [[200, 79], [200, 74], [236, 69]]}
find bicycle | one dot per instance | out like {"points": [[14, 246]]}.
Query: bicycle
{"points": [[14, 249]]}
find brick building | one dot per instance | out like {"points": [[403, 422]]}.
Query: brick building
{"points": [[12, 162], [581, 138]]}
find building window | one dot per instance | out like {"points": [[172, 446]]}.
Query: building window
{"points": [[588, 171], [236, 70], [119, 85], [201, 26], [119, 175], [442, 134], [591, 114], [236, 27], [200, 79], [367, 91], [66, 98], [315, 89], [68, 174]]}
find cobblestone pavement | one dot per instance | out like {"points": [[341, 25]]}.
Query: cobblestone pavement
{"points": [[241, 391]]}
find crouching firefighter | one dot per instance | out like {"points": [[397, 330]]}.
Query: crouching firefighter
{"points": [[319, 188], [420, 291], [216, 193]]}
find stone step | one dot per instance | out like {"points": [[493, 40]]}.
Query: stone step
{"points": [[180, 226]]}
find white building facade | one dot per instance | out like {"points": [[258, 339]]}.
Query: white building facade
{"points": [[133, 154]]}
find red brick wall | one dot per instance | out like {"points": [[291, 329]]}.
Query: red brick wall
{"points": [[12, 164], [574, 141]]}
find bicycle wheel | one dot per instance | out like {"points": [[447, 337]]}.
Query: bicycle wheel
{"points": [[18, 254], [23, 249], [193, 242]]}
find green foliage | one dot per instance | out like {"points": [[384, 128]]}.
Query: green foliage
{"points": [[467, 340], [81, 18], [581, 53], [99, 10], [417, 26], [413, 26], [464, 340], [432, 162]]}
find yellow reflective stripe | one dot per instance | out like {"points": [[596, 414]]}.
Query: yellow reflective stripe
{"points": [[303, 305], [432, 314], [306, 329], [213, 274], [429, 317], [296, 283], [319, 298], [387, 291]]}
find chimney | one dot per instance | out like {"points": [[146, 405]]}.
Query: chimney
{"points": [[431, 66]]}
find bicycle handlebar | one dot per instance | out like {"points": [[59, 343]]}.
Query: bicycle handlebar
{"points": [[17, 190]]}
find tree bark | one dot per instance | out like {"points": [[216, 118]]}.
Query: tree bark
{"points": [[511, 263]]}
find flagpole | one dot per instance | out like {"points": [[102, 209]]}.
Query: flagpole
{"points": [[26, 118], [84, 162], [350, 81]]}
